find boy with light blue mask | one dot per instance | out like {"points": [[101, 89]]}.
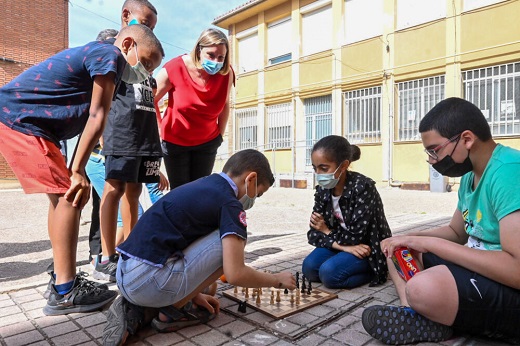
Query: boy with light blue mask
{"points": [[184, 242]]}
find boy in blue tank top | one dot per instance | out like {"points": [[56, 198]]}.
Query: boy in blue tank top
{"points": [[471, 277]]}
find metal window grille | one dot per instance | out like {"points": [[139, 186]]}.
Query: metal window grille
{"points": [[416, 98], [247, 128], [362, 115], [496, 91], [318, 122], [279, 120]]}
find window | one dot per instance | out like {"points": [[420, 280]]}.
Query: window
{"points": [[318, 121], [279, 41], [473, 4], [247, 52], [280, 119], [496, 91], [415, 12], [316, 29], [416, 98], [362, 115], [247, 128], [363, 19]]}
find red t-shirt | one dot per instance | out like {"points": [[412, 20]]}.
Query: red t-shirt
{"points": [[191, 116]]}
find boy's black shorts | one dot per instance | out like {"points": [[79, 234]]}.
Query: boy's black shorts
{"points": [[486, 307], [133, 169]]}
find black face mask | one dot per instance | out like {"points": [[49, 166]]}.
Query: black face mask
{"points": [[450, 168]]}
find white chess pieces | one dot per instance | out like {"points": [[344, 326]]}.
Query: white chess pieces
{"points": [[297, 297], [278, 299], [235, 291], [247, 293], [258, 300], [272, 298]]}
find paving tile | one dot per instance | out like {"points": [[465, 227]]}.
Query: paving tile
{"points": [[74, 338], [60, 329], [259, 337], [221, 319], [189, 332], [311, 340], [24, 338], [213, 337], [29, 297], [12, 319], [96, 331], [10, 310], [91, 320], [4, 296], [284, 326], [40, 343], [331, 329], [302, 318], [34, 304], [36, 313], [16, 328], [6, 302], [165, 339], [236, 328], [46, 321]]}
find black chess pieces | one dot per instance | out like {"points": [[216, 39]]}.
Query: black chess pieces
{"points": [[297, 280], [303, 284], [242, 306], [286, 291], [309, 289]]}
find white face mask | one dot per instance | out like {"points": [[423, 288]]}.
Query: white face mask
{"points": [[248, 202], [134, 74]]}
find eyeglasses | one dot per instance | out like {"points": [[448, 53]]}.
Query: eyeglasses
{"points": [[433, 152]]}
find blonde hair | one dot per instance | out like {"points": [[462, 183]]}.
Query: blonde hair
{"points": [[211, 37]]}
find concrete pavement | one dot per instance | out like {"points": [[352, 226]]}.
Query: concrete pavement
{"points": [[277, 241]]}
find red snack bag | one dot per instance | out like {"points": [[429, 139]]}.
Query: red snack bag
{"points": [[405, 263]]}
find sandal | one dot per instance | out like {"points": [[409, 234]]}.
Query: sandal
{"points": [[181, 318]]}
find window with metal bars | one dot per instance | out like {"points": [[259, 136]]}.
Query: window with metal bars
{"points": [[318, 122], [496, 91], [246, 128], [362, 115], [279, 122], [416, 98]]}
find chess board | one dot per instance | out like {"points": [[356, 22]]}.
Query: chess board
{"points": [[283, 308]]}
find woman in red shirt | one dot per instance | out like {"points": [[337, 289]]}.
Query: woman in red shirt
{"points": [[198, 86]]}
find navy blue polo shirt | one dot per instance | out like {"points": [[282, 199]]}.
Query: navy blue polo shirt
{"points": [[182, 216]]}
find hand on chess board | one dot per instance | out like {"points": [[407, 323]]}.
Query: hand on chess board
{"points": [[208, 302], [286, 279]]}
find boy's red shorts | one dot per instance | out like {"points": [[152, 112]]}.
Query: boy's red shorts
{"points": [[37, 163]]}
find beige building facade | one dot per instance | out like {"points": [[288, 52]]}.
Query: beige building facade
{"points": [[368, 70]]}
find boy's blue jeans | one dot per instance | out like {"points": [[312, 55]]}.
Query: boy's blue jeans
{"points": [[336, 269]]}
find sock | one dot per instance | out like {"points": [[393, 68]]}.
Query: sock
{"points": [[64, 288], [105, 259]]}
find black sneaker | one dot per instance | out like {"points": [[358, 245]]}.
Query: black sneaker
{"points": [[106, 271], [85, 296], [123, 319], [402, 325], [52, 281]]}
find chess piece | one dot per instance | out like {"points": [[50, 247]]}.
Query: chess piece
{"points": [[242, 307], [235, 290], [303, 284], [272, 298], [286, 291], [258, 301], [247, 293], [298, 280], [292, 298], [254, 292], [297, 297], [309, 289], [278, 299]]}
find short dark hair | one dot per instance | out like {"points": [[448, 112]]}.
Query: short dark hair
{"points": [[144, 34], [453, 116], [337, 149], [139, 3], [250, 160], [106, 33]]}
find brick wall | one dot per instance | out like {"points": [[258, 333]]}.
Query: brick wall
{"points": [[32, 30]]}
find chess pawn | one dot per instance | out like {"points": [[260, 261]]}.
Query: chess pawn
{"points": [[247, 293], [272, 298], [292, 298], [235, 290], [297, 297], [258, 301], [278, 299]]}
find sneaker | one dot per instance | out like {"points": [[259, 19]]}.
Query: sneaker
{"points": [[84, 296], [106, 271], [123, 319], [52, 281], [402, 325]]}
